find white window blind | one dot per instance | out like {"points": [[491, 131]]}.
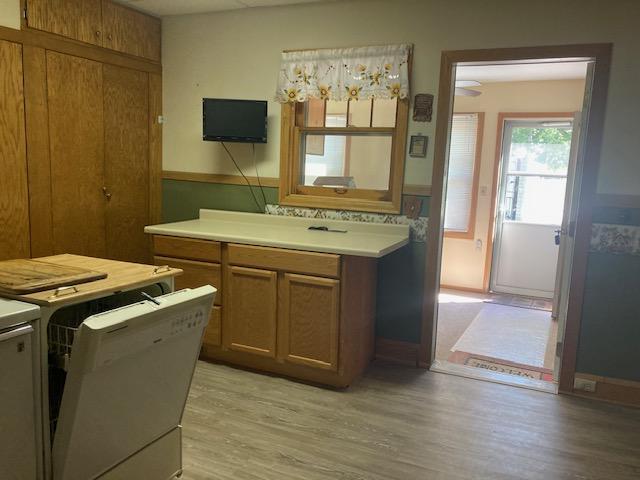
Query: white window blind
{"points": [[462, 156]]}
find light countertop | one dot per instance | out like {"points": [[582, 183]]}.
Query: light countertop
{"points": [[361, 239]]}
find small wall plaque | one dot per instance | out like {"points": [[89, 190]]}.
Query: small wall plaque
{"points": [[418, 146], [422, 107]]}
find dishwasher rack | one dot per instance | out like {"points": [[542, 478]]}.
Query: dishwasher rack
{"points": [[62, 330]]}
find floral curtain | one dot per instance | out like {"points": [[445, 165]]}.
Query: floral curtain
{"points": [[346, 73]]}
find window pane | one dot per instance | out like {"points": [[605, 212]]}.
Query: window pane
{"points": [[384, 112], [336, 113], [462, 156], [533, 199], [540, 150], [359, 113], [350, 161]]}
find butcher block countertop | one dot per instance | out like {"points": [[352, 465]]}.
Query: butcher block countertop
{"points": [[358, 238], [120, 276]]}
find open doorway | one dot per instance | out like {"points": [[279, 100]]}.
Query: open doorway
{"points": [[511, 171]]}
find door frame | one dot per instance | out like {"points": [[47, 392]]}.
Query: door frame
{"points": [[601, 55], [496, 180]]}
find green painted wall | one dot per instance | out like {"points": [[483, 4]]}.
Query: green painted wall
{"points": [[400, 274], [609, 342], [610, 330], [182, 200]]}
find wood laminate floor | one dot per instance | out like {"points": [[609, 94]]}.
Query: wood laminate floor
{"points": [[399, 423]]}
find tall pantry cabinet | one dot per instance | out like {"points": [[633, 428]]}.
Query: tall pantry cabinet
{"points": [[80, 155], [14, 196]]}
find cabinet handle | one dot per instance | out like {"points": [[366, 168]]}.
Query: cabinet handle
{"points": [[60, 291], [109, 37], [98, 33], [106, 193]]}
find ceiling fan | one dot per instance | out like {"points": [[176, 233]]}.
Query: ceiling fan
{"points": [[463, 91]]}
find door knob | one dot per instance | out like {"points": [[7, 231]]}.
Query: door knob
{"points": [[106, 193], [557, 232]]}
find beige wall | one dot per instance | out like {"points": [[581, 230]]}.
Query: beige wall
{"points": [[463, 261], [10, 13], [236, 54]]}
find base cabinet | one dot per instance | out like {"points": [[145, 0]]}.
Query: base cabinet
{"points": [[309, 321], [251, 308], [305, 315]]}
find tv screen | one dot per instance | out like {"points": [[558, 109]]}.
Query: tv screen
{"points": [[234, 120]]}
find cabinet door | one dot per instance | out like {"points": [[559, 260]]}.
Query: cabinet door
{"points": [[76, 135], [195, 274], [126, 137], [309, 321], [129, 31], [77, 19], [249, 323], [14, 199]]}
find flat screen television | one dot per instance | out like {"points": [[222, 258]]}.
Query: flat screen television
{"points": [[225, 120]]}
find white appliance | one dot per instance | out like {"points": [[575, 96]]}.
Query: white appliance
{"points": [[128, 379], [19, 390], [116, 372]]}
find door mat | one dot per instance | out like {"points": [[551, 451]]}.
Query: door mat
{"points": [[497, 365], [522, 302]]}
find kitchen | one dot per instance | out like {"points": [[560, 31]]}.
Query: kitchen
{"points": [[223, 297]]}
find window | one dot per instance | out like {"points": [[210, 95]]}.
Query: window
{"points": [[346, 154], [536, 172], [344, 128], [462, 179]]}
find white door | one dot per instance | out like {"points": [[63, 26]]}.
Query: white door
{"points": [[128, 381], [534, 168], [563, 278]]}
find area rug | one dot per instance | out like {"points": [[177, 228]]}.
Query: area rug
{"points": [[513, 335], [522, 302], [497, 365]]}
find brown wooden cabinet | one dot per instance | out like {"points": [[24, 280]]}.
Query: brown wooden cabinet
{"points": [[250, 322], [129, 31], [77, 19], [126, 163], [309, 320], [99, 22], [306, 315], [98, 122], [199, 261], [14, 197], [76, 136]]}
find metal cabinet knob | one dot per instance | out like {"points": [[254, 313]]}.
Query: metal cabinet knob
{"points": [[106, 193]]}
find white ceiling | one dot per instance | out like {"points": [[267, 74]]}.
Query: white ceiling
{"points": [[522, 72], [183, 7]]}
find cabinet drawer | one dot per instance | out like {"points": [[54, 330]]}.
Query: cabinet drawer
{"points": [[195, 274], [323, 264], [189, 248], [212, 333]]}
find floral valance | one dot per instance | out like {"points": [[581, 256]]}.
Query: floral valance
{"points": [[345, 73]]}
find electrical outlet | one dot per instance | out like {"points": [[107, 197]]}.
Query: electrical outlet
{"points": [[584, 384]]}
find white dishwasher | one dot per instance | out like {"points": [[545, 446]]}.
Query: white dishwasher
{"points": [[19, 390], [117, 397]]}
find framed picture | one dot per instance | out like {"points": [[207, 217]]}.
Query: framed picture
{"points": [[418, 146]]}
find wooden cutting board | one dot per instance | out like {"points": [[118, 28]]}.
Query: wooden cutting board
{"points": [[19, 277]]}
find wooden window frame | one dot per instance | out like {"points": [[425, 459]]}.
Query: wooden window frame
{"points": [[293, 194], [470, 232]]}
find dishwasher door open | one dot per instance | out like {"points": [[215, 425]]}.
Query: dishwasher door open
{"points": [[129, 376]]}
